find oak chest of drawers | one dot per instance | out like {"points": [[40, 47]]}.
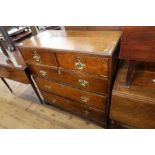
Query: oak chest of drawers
{"points": [[74, 70]]}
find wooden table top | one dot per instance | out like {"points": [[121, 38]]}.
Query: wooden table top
{"points": [[91, 42], [143, 85]]}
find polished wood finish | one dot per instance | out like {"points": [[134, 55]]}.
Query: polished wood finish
{"points": [[87, 42], [84, 70], [130, 72], [95, 84], [134, 106], [14, 74], [68, 60], [83, 28], [36, 55], [137, 44], [94, 100], [74, 107]]}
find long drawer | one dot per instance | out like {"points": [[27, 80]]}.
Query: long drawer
{"points": [[74, 107], [80, 80], [91, 99], [39, 56], [85, 63]]}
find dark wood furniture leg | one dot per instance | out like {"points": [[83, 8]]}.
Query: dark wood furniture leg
{"points": [[33, 85], [130, 72], [7, 84]]}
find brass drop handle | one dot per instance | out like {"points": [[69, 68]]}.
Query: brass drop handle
{"points": [[43, 73], [84, 99], [79, 64], [36, 57], [83, 83]]}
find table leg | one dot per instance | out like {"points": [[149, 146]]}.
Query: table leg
{"points": [[33, 85], [6, 84], [130, 72]]}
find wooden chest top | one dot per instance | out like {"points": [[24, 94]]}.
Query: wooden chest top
{"points": [[90, 42]]}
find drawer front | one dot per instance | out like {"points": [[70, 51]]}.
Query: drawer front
{"points": [[133, 111], [91, 99], [85, 63], [74, 107], [80, 80], [14, 74], [40, 56]]}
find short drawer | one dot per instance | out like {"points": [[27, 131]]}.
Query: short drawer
{"points": [[74, 107], [91, 99], [14, 74], [81, 80], [40, 56], [85, 63]]}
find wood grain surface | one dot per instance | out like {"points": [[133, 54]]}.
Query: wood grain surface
{"points": [[138, 43], [95, 84], [94, 100], [75, 107], [92, 42], [135, 105]]}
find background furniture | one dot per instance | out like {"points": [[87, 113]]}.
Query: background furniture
{"points": [[134, 107], [15, 69], [15, 33], [12, 65], [137, 44], [74, 70]]}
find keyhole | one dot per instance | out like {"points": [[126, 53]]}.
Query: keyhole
{"points": [[78, 59]]}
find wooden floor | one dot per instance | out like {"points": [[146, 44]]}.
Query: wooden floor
{"points": [[22, 110]]}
